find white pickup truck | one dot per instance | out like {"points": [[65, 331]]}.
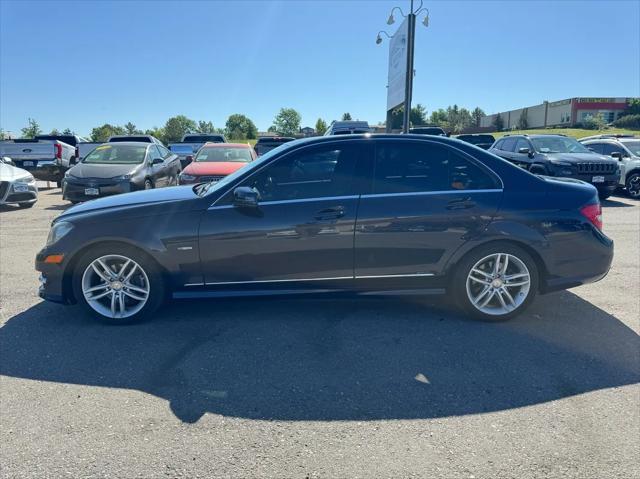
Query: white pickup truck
{"points": [[45, 159]]}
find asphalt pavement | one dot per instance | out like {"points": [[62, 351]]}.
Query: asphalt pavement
{"points": [[320, 387]]}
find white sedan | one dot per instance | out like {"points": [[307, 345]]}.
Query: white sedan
{"points": [[17, 186]]}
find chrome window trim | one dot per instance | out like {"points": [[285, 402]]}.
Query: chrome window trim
{"points": [[430, 193], [301, 200], [334, 278]]}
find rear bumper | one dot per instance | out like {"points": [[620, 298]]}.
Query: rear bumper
{"points": [[44, 170], [76, 191]]}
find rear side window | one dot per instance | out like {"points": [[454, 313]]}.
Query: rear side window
{"points": [[498, 145], [595, 147], [508, 144], [414, 168]]}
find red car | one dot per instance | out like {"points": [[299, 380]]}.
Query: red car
{"points": [[214, 161]]}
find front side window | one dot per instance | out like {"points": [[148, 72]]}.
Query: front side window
{"points": [[153, 153], [117, 154], [633, 147], [521, 143], [314, 173], [508, 144], [164, 152], [415, 167], [595, 147]]}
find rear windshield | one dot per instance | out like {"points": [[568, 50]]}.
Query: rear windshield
{"points": [[144, 139], [116, 154], [240, 155], [476, 139], [273, 141], [68, 139], [203, 138], [427, 131]]}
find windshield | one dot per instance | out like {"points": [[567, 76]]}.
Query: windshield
{"points": [[558, 144], [116, 154], [633, 147], [203, 138], [476, 139], [241, 155], [202, 189]]}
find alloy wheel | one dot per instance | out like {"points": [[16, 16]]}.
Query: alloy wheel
{"points": [[633, 186], [498, 284], [115, 286]]}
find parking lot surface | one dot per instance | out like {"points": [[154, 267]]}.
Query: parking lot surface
{"points": [[320, 387]]}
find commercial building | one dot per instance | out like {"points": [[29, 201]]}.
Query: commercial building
{"points": [[563, 113]]}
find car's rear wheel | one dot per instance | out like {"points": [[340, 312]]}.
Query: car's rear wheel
{"points": [[118, 284], [633, 185], [148, 185], [495, 282]]}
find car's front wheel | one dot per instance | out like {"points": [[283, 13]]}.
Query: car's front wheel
{"points": [[495, 282], [118, 284], [633, 185]]}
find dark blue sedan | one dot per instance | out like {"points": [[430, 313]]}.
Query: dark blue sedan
{"points": [[366, 214]]}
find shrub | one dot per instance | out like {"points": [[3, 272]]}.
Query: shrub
{"points": [[593, 122], [628, 121]]}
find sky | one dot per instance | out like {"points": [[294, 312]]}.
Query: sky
{"points": [[78, 65]]}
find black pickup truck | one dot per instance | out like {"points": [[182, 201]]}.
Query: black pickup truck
{"points": [[560, 156]]}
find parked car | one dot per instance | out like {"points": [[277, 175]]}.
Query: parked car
{"points": [[347, 128], [138, 138], [46, 160], [17, 186], [558, 155], [214, 161], [428, 130], [367, 214], [268, 143], [481, 140], [115, 168], [73, 140], [191, 143], [625, 149]]}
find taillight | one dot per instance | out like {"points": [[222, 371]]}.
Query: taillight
{"points": [[593, 213], [58, 149]]}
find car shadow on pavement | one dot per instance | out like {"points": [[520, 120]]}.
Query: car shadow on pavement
{"points": [[613, 203], [330, 359]]}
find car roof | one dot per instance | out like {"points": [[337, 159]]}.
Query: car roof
{"points": [[130, 143], [377, 136], [225, 145]]}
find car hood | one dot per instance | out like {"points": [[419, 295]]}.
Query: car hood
{"points": [[579, 157], [200, 168], [160, 197], [10, 173], [97, 170]]}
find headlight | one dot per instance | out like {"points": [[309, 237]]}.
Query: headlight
{"points": [[121, 178], [29, 180], [186, 177], [57, 231], [560, 163]]}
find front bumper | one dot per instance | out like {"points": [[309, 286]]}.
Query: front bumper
{"points": [[52, 285], [18, 192], [76, 190]]}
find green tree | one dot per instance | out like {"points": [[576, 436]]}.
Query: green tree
{"points": [[240, 127], [54, 131], [287, 121], [131, 129], [205, 127], [523, 121], [178, 126], [102, 133], [321, 127], [346, 116], [593, 122], [32, 129], [418, 115], [67, 131], [498, 122], [476, 116], [156, 132]]}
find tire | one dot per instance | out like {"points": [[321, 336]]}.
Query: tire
{"points": [[141, 285], [59, 183], [633, 185], [519, 263], [148, 184]]}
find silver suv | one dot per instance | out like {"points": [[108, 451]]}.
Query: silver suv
{"points": [[626, 149]]}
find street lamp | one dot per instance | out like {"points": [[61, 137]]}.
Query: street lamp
{"points": [[411, 18]]}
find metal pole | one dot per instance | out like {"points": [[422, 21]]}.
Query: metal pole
{"points": [[409, 84]]}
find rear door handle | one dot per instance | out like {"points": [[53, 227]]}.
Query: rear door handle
{"points": [[330, 213], [461, 203]]}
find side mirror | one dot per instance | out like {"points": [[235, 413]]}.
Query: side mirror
{"points": [[523, 151], [189, 159], [617, 155], [245, 197], [157, 161]]}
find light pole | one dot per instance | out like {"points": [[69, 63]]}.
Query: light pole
{"points": [[411, 34]]}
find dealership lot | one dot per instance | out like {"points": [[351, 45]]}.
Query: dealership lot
{"points": [[320, 387]]}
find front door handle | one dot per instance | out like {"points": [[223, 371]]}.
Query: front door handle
{"points": [[330, 213], [461, 203]]}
